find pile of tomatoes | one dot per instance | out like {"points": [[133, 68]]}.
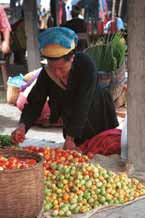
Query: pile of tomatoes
{"points": [[57, 156], [15, 163], [74, 185], [81, 188]]}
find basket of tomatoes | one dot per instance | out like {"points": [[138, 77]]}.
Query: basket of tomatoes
{"points": [[21, 184]]}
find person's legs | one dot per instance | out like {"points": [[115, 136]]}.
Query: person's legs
{"points": [[4, 74], [3, 69]]}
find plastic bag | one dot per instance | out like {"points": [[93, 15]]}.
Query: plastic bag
{"points": [[16, 81], [124, 146]]}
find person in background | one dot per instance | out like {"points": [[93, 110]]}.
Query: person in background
{"points": [[5, 30], [68, 9], [79, 26], [18, 41], [70, 81], [58, 11], [91, 9]]}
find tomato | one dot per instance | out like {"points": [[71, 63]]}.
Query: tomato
{"points": [[15, 163], [90, 155], [31, 162]]}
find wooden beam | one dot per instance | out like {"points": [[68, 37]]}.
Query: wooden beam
{"points": [[30, 16], [136, 84]]}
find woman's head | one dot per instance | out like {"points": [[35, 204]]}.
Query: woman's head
{"points": [[62, 66], [57, 42]]}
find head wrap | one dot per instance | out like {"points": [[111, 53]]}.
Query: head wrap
{"points": [[56, 42]]}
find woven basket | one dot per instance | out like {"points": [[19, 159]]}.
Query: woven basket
{"points": [[21, 190], [114, 81], [12, 94]]}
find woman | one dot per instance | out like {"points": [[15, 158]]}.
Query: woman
{"points": [[70, 81], [5, 30]]}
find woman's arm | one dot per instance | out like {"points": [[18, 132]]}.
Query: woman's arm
{"points": [[36, 100], [5, 29]]}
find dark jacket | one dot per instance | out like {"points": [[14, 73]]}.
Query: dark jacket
{"points": [[86, 109], [79, 26]]}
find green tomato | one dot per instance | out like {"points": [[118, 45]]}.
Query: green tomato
{"points": [[68, 213], [72, 172], [91, 200], [82, 182], [87, 195], [70, 178], [76, 209], [67, 170], [80, 198], [61, 177], [60, 185], [54, 213], [72, 206], [98, 191], [96, 205], [80, 177], [88, 184], [117, 202], [102, 199], [73, 201], [61, 212], [46, 191], [48, 206], [86, 178]]}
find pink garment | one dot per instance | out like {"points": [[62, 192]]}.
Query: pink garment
{"points": [[45, 111], [60, 12], [103, 10], [4, 22]]}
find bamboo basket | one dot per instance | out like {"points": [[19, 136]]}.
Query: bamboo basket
{"points": [[12, 94], [114, 81], [21, 190]]}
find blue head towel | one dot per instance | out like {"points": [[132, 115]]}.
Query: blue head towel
{"points": [[58, 35], [120, 24]]}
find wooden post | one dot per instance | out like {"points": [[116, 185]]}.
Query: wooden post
{"points": [[30, 16], [136, 84], [120, 8], [113, 10]]}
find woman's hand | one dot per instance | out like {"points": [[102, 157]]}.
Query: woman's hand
{"points": [[69, 143], [18, 135]]}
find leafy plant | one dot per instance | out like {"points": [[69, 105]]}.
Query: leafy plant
{"points": [[109, 53], [5, 141]]}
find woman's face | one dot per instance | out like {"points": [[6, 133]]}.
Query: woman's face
{"points": [[60, 68]]}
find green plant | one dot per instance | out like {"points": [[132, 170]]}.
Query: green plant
{"points": [[108, 53], [5, 141]]}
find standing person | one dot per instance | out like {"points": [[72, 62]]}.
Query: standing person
{"points": [[68, 8], [77, 23], [79, 26], [5, 30], [91, 8], [70, 81]]}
